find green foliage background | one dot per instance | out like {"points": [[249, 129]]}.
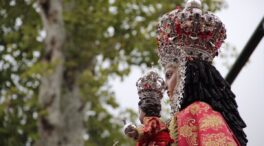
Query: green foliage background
{"points": [[103, 39]]}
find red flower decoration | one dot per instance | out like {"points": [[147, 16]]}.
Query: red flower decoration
{"points": [[147, 86]]}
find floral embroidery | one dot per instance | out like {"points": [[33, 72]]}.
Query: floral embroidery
{"points": [[198, 108], [186, 131], [189, 131], [194, 109], [211, 121], [219, 139]]}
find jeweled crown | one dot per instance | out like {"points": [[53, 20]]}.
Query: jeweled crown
{"points": [[150, 85], [199, 34]]}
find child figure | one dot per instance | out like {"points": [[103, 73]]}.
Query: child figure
{"points": [[153, 132]]}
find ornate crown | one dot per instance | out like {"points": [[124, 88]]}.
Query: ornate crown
{"points": [[150, 85], [199, 34]]}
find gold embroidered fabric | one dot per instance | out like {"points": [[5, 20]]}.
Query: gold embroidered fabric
{"points": [[211, 121], [189, 130], [219, 139], [199, 125]]}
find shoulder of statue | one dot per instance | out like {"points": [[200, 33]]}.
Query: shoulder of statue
{"points": [[196, 108]]}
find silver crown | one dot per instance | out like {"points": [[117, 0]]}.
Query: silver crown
{"points": [[199, 34], [150, 85]]}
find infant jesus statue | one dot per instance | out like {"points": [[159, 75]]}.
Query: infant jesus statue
{"points": [[153, 132]]}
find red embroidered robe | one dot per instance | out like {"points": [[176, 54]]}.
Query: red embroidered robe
{"points": [[199, 125]]}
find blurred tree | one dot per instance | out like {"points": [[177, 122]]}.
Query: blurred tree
{"points": [[85, 42]]}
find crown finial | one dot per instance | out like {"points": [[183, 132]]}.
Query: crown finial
{"points": [[193, 4]]}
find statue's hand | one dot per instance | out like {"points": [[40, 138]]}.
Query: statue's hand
{"points": [[131, 131]]}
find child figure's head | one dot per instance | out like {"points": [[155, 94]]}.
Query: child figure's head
{"points": [[149, 107], [150, 90]]}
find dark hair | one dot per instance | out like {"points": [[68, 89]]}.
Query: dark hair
{"points": [[151, 106], [204, 83]]}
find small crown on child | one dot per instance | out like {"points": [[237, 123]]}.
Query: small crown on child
{"points": [[150, 85], [199, 34]]}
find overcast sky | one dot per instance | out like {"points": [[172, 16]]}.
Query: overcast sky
{"points": [[241, 19]]}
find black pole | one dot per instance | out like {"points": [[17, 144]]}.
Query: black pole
{"points": [[246, 53]]}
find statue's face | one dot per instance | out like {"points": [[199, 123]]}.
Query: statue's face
{"points": [[171, 78]]}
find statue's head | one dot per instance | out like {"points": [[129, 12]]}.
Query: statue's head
{"points": [[185, 35]]}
